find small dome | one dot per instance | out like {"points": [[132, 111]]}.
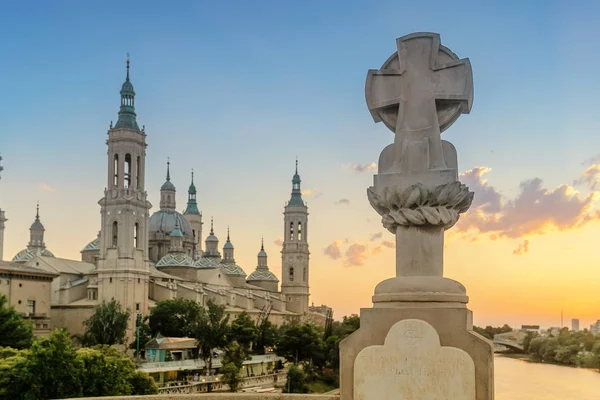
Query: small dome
{"points": [[262, 253], [207, 263], [93, 245], [228, 245], [175, 260], [168, 186], [262, 275], [25, 255], [164, 221], [127, 88], [232, 269], [212, 238], [176, 232], [37, 225]]}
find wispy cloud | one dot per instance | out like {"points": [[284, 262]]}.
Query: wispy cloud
{"points": [[333, 250], [522, 248], [47, 188], [389, 243], [590, 177], [356, 255], [376, 236], [342, 201], [309, 192], [278, 241], [362, 167], [534, 211]]}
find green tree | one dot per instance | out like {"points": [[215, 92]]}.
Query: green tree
{"points": [[301, 343], [266, 336], [235, 354], [108, 325], [296, 381], [106, 372], [143, 384], [14, 330], [145, 335], [14, 377], [211, 331], [53, 368], [243, 331], [231, 376], [175, 318]]}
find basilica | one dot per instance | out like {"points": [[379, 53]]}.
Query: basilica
{"points": [[140, 258]]}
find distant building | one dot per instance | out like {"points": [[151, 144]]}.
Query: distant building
{"points": [[530, 328], [28, 290], [595, 328], [575, 325]]}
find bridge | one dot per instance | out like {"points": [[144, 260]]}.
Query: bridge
{"points": [[509, 342]]}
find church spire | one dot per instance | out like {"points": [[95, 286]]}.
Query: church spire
{"points": [[167, 192], [192, 206], [127, 116], [36, 231], [296, 199]]}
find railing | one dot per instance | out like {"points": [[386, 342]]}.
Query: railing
{"points": [[199, 363], [186, 387]]}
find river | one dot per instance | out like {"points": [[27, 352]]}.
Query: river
{"points": [[522, 380]]}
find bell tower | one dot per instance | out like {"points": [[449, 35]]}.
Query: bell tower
{"points": [[123, 268], [295, 254]]}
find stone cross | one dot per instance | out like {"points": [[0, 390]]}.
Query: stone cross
{"points": [[413, 85]]}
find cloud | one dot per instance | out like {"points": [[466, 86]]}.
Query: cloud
{"points": [[356, 255], [369, 220], [590, 177], [388, 243], [377, 249], [309, 192], [47, 188], [592, 160], [376, 236], [278, 241], [534, 211], [522, 249], [343, 201], [333, 250], [362, 167]]}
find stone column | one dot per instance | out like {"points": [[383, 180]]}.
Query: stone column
{"points": [[418, 195]]}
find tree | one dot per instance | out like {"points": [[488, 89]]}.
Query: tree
{"points": [[53, 370], [211, 331], [15, 331], [301, 343], [235, 354], [266, 336], [231, 376], [106, 372], [143, 384], [108, 325], [243, 331], [14, 379], [296, 381], [145, 335], [175, 317]]}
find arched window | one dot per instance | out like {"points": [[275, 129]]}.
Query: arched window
{"points": [[137, 172], [168, 199], [291, 231], [116, 170], [127, 170], [136, 231], [299, 230], [291, 274], [115, 234], [304, 275]]}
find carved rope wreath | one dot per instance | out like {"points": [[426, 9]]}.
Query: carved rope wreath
{"points": [[417, 205]]}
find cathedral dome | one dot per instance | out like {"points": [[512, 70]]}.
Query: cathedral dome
{"points": [[25, 255], [232, 269], [262, 275], [207, 263], [93, 245], [164, 221], [175, 260], [168, 186]]}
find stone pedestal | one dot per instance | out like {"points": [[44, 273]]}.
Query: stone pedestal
{"points": [[452, 322]]}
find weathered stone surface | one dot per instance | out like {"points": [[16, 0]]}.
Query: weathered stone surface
{"points": [[224, 396], [411, 364]]}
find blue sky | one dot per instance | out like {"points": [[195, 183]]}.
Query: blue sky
{"points": [[236, 90]]}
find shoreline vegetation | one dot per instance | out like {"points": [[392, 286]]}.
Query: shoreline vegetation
{"points": [[565, 348]]}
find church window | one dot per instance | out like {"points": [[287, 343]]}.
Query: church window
{"points": [[115, 234], [291, 274], [299, 230], [139, 280], [137, 306], [136, 229], [137, 172], [116, 170], [31, 307], [127, 170], [304, 275], [291, 231], [194, 233], [109, 280], [168, 199]]}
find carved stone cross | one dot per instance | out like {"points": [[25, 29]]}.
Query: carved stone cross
{"points": [[418, 92]]}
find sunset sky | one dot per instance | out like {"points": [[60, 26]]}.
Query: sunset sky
{"points": [[236, 90]]}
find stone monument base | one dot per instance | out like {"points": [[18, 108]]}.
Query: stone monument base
{"points": [[453, 323]]}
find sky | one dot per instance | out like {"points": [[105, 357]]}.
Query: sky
{"points": [[237, 90]]}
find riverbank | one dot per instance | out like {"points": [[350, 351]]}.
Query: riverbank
{"points": [[529, 359]]}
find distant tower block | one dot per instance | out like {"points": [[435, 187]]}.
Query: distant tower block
{"points": [[295, 254], [575, 325]]}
